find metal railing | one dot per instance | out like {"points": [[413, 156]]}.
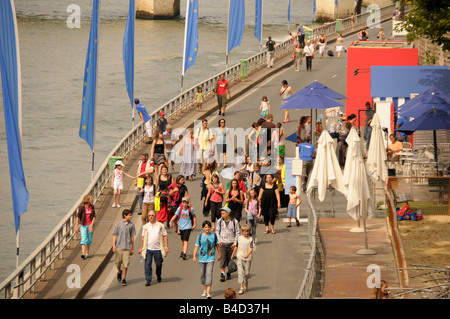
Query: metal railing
{"points": [[23, 279], [311, 285]]}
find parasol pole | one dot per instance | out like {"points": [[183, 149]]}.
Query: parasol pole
{"points": [[366, 250]]}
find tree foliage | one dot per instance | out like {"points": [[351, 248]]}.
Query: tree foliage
{"points": [[430, 18]]}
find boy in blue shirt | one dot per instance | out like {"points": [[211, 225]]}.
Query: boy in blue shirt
{"points": [[307, 153], [186, 223]]}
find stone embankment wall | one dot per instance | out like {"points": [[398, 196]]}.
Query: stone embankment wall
{"points": [[431, 53]]}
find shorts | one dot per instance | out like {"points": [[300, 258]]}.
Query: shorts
{"points": [[184, 234], [226, 255], [118, 185], [122, 257], [221, 148], [222, 100], [291, 211], [171, 155], [264, 113]]}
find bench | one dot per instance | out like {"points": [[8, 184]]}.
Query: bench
{"points": [[439, 185], [401, 198]]}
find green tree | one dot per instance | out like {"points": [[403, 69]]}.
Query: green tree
{"points": [[429, 18]]}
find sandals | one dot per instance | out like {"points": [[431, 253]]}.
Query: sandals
{"points": [[273, 231]]}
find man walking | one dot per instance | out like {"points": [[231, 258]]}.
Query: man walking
{"points": [[272, 50], [202, 138], [145, 118], [368, 127], [154, 245], [227, 232], [307, 153], [221, 90]]}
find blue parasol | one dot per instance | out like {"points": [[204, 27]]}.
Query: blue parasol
{"points": [[433, 120]]}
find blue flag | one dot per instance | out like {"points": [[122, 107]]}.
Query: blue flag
{"points": [[128, 51], [314, 10], [190, 35], [11, 91], [258, 19], [87, 123], [289, 11], [236, 23]]}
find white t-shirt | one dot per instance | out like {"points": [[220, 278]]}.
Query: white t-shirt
{"points": [[244, 244]]}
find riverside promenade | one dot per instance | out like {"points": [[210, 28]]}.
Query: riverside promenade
{"points": [[279, 259]]}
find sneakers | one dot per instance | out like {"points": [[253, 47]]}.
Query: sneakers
{"points": [[208, 295], [184, 256], [124, 282], [113, 205], [147, 284], [119, 277], [204, 293], [83, 257], [222, 277], [118, 205], [241, 291], [228, 276], [297, 222]]}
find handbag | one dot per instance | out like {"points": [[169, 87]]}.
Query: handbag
{"points": [[157, 203], [232, 267]]}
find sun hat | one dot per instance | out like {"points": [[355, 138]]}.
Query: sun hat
{"points": [[119, 163]]}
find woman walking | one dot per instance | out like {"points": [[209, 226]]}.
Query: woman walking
{"points": [[159, 151], [340, 45], [309, 53], [235, 197], [85, 224], [221, 139], [298, 57], [321, 43], [285, 92], [269, 199], [187, 150]]}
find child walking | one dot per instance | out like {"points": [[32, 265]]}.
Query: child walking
{"points": [[243, 252], [123, 244], [186, 223], [252, 209], [264, 107], [206, 245], [199, 98], [117, 181], [148, 192], [294, 202]]}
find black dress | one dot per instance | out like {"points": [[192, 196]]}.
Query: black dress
{"points": [[269, 204], [235, 207]]}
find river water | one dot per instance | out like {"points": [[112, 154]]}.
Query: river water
{"points": [[57, 162]]}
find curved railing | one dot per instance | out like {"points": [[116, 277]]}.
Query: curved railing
{"points": [[23, 279]]}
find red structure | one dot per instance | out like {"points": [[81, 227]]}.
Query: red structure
{"points": [[361, 56]]}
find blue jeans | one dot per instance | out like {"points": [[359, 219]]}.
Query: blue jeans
{"points": [[367, 133], [206, 272], [148, 264]]}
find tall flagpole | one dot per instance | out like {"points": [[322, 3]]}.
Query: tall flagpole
{"points": [[228, 31], [96, 81], [19, 90], [184, 46], [262, 19]]}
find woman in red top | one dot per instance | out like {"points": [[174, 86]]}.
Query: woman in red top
{"points": [[221, 92], [85, 224]]}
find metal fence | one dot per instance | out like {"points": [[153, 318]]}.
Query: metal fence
{"points": [[23, 279], [429, 195]]}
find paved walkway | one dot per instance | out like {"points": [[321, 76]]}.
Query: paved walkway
{"points": [[279, 259]]}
